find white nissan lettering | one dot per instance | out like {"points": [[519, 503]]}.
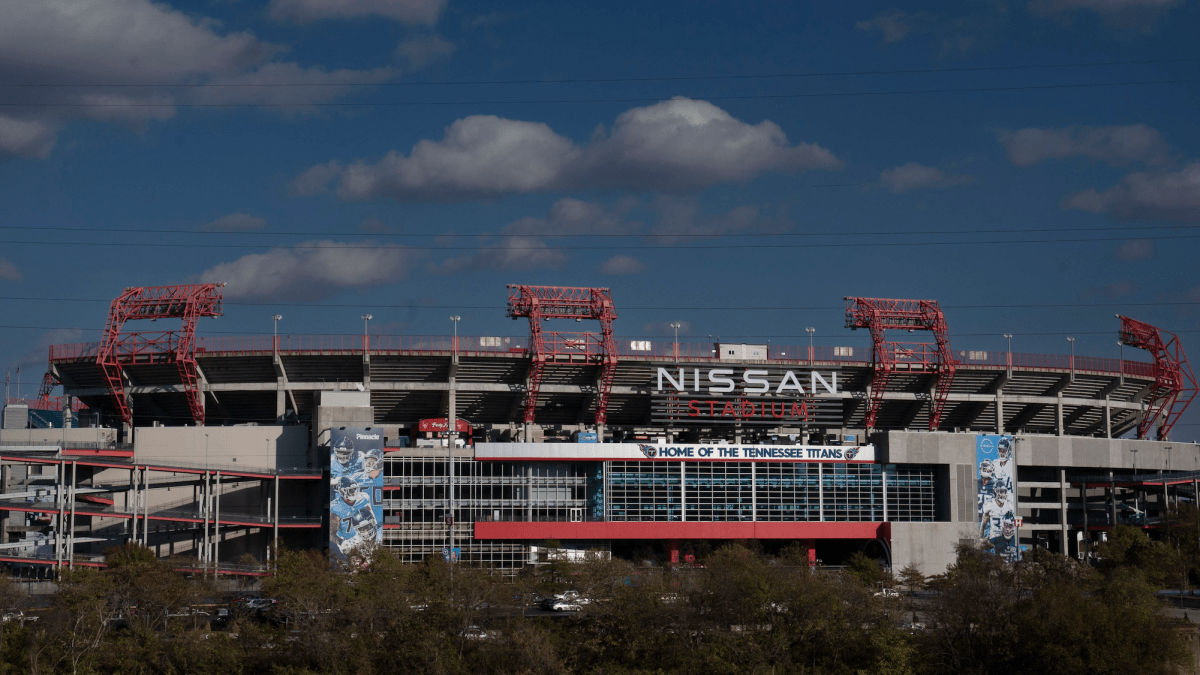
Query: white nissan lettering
{"points": [[752, 381]]}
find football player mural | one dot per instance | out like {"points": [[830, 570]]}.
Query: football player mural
{"points": [[995, 473], [355, 490]]}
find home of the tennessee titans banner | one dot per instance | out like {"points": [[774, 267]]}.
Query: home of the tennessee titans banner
{"points": [[355, 489], [995, 473]]}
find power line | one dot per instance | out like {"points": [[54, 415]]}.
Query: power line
{"points": [[607, 247], [770, 308], [395, 104], [551, 235], [596, 80]]}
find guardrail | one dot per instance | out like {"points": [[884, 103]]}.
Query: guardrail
{"points": [[634, 349]]}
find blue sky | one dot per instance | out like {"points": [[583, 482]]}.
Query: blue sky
{"points": [[408, 158]]}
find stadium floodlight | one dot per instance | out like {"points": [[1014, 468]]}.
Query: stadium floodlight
{"points": [[366, 343], [1072, 341], [1008, 336], [456, 318], [676, 325], [810, 330], [275, 318]]}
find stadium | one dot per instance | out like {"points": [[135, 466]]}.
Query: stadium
{"points": [[509, 451]]}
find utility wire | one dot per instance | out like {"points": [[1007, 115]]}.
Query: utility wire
{"points": [[553, 235], [607, 247], [644, 99], [595, 80]]}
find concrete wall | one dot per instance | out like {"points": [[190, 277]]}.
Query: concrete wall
{"points": [[928, 546], [900, 447], [57, 436], [266, 447]]}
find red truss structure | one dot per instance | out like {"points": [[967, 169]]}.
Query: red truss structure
{"points": [[120, 350], [45, 401], [1174, 383], [879, 316], [541, 303]]}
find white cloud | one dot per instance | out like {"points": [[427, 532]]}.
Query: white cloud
{"points": [[1118, 14], [1115, 145], [9, 271], [479, 156], [135, 42], [27, 138], [573, 216], [236, 222], [313, 269], [405, 11], [622, 264], [39, 352], [1136, 249], [511, 254], [679, 145], [680, 220], [424, 50], [914, 176], [893, 25], [1164, 195]]}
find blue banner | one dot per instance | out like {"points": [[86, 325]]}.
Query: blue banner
{"points": [[995, 475], [355, 490]]}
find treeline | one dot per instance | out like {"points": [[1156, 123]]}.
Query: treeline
{"points": [[742, 612]]}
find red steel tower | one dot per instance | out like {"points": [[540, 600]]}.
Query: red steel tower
{"points": [[880, 315], [1174, 383], [542, 303], [120, 350]]}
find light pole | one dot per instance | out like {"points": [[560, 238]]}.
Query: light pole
{"points": [[1121, 344], [810, 330], [1008, 336], [456, 318], [1072, 341], [205, 451], [275, 332], [676, 325], [366, 319]]}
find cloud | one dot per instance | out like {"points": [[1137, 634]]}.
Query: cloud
{"points": [[9, 271], [893, 25], [914, 176], [679, 220], [680, 145], [235, 222], [39, 353], [622, 264], [511, 254], [949, 36], [405, 11], [1117, 14], [573, 216], [26, 138], [126, 43], [1117, 289], [1164, 195], [311, 270], [424, 50], [664, 328], [1135, 249], [1113, 145]]}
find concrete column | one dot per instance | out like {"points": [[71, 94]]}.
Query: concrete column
{"points": [[1062, 498], [821, 490], [5, 472], [217, 526], [280, 400], [1087, 534], [66, 411], [71, 525], [1112, 499], [1058, 408], [59, 528], [276, 516], [529, 492], [885, 513], [1000, 410], [1107, 417], [683, 491], [753, 490]]}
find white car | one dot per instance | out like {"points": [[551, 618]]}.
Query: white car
{"points": [[887, 593]]}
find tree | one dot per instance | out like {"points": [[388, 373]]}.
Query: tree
{"points": [[865, 569]]}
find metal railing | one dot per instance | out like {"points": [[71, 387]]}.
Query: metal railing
{"points": [[630, 349]]}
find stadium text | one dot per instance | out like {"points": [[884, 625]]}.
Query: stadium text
{"points": [[753, 381], [796, 410]]}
